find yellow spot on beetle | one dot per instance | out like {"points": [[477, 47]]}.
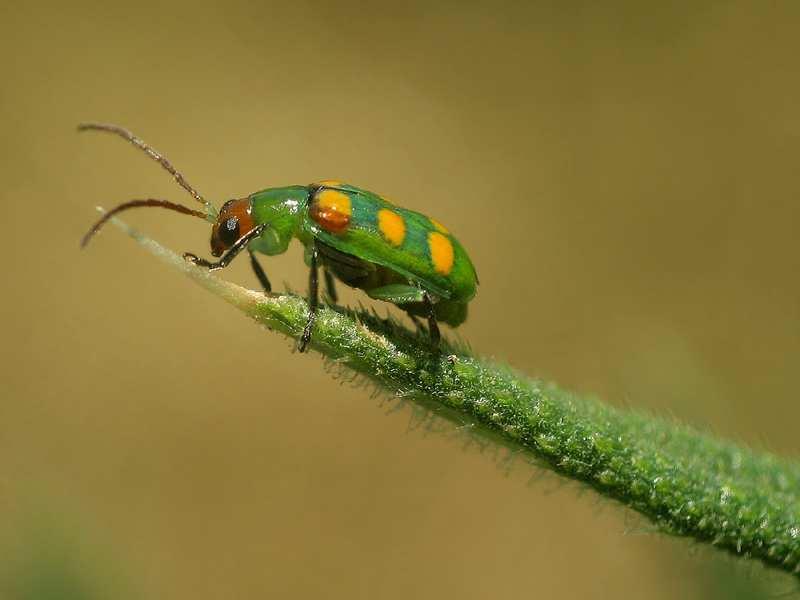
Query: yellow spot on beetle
{"points": [[441, 252], [392, 226], [334, 200], [439, 227], [331, 209]]}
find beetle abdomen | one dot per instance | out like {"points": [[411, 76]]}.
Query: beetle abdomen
{"points": [[363, 224]]}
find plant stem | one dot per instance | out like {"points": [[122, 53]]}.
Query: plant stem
{"points": [[686, 482]]}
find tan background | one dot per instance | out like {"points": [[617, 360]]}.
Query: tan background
{"points": [[625, 175]]}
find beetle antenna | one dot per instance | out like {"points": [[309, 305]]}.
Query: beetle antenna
{"points": [[152, 153], [149, 202]]}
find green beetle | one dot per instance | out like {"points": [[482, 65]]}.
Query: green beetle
{"points": [[358, 237]]}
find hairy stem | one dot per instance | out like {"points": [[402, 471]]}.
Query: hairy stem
{"points": [[686, 482]]}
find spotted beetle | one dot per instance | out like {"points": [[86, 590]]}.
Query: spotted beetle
{"points": [[358, 237]]}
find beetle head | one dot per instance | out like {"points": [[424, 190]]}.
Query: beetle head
{"points": [[234, 221]]}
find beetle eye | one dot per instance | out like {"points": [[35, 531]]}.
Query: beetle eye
{"points": [[229, 231]]}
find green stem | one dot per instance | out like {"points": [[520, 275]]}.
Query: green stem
{"points": [[686, 482]]}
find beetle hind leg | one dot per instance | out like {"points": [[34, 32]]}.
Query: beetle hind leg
{"points": [[415, 302]]}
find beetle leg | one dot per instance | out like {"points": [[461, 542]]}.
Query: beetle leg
{"points": [[313, 299], [259, 271], [416, 321], [226, 259], [397, 293], [433, 326], [330, 287]]}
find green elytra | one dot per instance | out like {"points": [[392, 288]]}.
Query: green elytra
{"points": [[394, 254]]}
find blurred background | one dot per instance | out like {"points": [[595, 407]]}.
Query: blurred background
{"points": [[624, 175]]}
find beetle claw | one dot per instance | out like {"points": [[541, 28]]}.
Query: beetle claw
{"points": [[196, 260]]}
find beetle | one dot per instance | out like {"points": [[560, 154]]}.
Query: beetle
{"points": [[358, 237]]}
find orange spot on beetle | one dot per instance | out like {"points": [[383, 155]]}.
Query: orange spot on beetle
{"points": [[331, 210], [392, 226], [442, 254]]}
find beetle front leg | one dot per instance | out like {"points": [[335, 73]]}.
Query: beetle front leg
{"points": [[226, 259], [313, 298]]}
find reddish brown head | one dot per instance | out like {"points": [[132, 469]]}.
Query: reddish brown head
{"points": [[234, 220]]}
